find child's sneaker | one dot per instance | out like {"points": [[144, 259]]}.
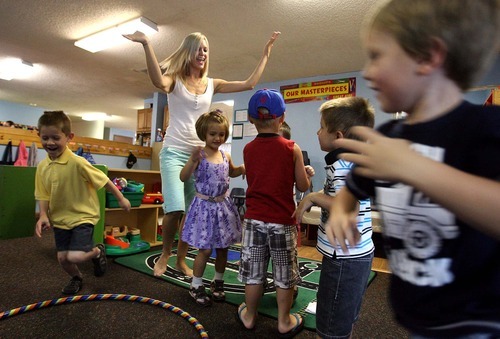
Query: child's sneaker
{"points": [[200, 296], [100, 263], [217, 289], [74, 286]]}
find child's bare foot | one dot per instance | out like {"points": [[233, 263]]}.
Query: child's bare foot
{"points": [[184, 268], [297, 326], [240, 317], [161, 265]]}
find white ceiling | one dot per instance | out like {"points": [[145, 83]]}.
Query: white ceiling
{"points": [[318, 37]]}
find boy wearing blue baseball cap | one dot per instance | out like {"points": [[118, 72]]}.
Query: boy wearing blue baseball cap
{"points": [[273, 165]]}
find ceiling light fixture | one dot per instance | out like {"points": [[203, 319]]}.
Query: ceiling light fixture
{"points": [[113, 36], [15, 69], [96, 116]]}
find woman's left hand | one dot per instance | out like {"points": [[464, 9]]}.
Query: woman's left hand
{"points": [[269, 45]]}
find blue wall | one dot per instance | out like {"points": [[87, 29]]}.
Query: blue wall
{"points": [[20, 114]]}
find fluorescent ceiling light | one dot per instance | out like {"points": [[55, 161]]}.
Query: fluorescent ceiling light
{"points": [[15, 69], [96, 116], [113, 36]]}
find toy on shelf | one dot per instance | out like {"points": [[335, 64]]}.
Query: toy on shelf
{"points": [[117, 236], [152, 198], [123, 241], [134, 186], [120, 183]]}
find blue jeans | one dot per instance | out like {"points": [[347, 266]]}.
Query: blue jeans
{"points": [[342, 284]]}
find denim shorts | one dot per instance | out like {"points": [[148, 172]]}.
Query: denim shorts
{"points": [[177, 195], [262, 241], [76, 239], [342, 284]]}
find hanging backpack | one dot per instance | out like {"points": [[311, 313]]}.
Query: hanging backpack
{"points": [[22, 155], [7, 155]]}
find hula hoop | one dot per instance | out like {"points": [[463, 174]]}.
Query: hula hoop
{"points": [[124, 297]]}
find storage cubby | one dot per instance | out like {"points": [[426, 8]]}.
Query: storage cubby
{"points": [[144, 217]]}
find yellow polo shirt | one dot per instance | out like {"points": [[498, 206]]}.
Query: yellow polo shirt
{"points": [[70, 184]]}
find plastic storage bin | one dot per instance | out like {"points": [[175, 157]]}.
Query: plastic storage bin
{"points": [[135, 199]]}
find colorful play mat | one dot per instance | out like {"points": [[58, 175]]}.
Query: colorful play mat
{"points": [[235, 290]]}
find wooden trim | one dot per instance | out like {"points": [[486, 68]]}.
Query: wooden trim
{"points": [[92, 145]]}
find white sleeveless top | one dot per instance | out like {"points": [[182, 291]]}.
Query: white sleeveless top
{"points": [[185, 108]]}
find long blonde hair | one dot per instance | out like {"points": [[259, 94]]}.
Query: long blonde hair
{"points": [[177, 64]]}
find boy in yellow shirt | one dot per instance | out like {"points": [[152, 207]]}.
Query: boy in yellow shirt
{"points": [[66, 189]]}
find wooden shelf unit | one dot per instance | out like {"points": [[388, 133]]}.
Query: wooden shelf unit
{"points": [[144, 117], [92, 145], [144, 217], [144, 121]]}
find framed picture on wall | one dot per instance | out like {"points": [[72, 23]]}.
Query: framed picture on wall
{"points": [[241, 115], [237, 131]]}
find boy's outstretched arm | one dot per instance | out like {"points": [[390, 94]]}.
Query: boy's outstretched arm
{"points": [[233, 170], [43, 222], [313, 199], [341, 226], [302, 175], [122, 201], [471, 198]]}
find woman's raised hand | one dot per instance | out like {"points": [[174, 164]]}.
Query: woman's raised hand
{"points": [[137, 37], [269, 45]]}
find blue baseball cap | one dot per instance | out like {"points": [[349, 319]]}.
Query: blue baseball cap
{"points": [[270, 99]]}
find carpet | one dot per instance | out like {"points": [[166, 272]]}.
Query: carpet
{"points": [[235, 291]]}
